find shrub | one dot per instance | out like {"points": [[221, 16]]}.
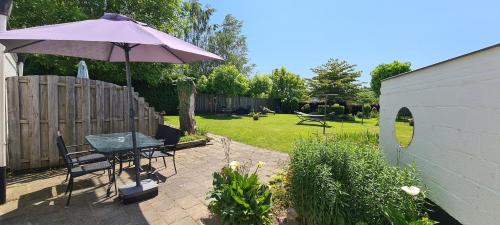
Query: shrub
{"points": [[239, 198], [338, 181], [306, 108], [367, 109], [374, 113], [359, 115], [338, 109], [255, 116]]}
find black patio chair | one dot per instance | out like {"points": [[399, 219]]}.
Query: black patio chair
{"points": [[80, 157], [77, 168], [170, 137]]}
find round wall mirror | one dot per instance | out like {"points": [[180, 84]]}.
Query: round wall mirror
{"points": [[404, 127]]}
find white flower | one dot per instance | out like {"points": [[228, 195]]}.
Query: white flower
{"points": [[234, 165], [261, 164], [412, 190]]}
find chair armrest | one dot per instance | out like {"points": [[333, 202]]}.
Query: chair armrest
{"points": [[74, 146], [75, 153]]}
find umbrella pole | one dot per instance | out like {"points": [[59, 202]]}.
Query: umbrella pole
{"points": [[137, 155]]}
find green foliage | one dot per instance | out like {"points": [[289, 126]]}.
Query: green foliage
{"points": [[260, 86], [229, 43], [374, 113], [227, 80], [279, 187], [367, 109], [239, 198], [359, 114], [165, 17], [339, 181], [336, 77], [337, 110], [288, 89], [306, 108], [384, 71], [255, 115], [366, 96]]}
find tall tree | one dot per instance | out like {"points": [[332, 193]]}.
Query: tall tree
{"points": [[231, 44], [260, 86], [386, 70], [288, 88], [162, 14], [227, 80], [197, 30], [366, 96], [336, 77]]}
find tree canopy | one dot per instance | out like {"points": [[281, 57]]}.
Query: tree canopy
{"points": [[366, 96], [287, 87], [188, 20], [336, 77], [260, 86], [227, 80], [165, 17], [229, 43], [386, 70]]}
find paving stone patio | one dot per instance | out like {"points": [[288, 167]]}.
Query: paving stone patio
{"points": [[39, 198]]}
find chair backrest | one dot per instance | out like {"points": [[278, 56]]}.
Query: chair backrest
{"points": [[63, 151], [170, 135]]}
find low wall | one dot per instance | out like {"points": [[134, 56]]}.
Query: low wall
{"points": [[456, 145]]}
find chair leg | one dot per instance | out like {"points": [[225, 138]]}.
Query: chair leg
{"points": [[70, 190], [67, 175], [67, 189], [121, 166], [164, 163], [150, 166], [175, 168]]}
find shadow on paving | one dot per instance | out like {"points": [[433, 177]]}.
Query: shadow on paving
{"points": [[89, 205]]}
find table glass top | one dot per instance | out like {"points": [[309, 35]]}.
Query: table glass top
{"points": [[117, 142]]}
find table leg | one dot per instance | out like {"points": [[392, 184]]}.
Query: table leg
{"points": [[113, 179]]}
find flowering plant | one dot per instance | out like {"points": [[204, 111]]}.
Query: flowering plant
{"points": [[238, 197]]}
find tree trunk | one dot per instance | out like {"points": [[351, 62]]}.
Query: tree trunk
{"points": [[186, 91]]}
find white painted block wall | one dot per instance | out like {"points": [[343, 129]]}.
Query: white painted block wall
{"points": [[456, 145]]}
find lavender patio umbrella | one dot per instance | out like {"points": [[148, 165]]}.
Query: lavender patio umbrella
{"points": [[112, 38]]}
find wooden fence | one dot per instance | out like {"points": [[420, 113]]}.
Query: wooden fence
{"points": [[210, 103], [39, 106]]}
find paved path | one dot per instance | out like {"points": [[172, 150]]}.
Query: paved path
{"points": [[39, 198]]}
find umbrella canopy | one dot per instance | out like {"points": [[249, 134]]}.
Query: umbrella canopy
{"points": [[113, 38], [100, 39], [83, 71]]}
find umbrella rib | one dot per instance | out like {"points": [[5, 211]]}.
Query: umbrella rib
{"points": [[111, 51], [25, 45], [168, 50]]}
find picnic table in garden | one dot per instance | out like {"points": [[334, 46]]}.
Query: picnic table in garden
{"points": [[114, 144]]}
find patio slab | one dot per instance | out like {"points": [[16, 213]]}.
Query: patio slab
{"points": [[38, 198]]}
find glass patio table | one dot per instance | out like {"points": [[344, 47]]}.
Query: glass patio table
{"points": [[119, 143]]}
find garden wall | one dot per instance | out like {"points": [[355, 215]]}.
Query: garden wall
{"points": [[39, 106], [456, 146]]}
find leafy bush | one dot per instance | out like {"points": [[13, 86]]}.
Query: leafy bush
{"points": [[344, 117], [374, 113], [239, 198], [359, 115], [306, 108], [338, 181], [367, 109], [255, 116], [335, 108]]}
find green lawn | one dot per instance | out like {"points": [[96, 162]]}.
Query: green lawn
{"points": [[277, 132], [404, 133]]}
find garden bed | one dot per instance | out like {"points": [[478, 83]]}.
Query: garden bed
{"points": [[191, 141]]}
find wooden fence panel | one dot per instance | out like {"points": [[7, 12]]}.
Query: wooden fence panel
{"points": [[39, 106], [209, 103]]}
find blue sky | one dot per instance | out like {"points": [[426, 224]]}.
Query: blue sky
{"points": [[303, 34]]}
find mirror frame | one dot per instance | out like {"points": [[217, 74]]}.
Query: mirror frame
{"points": [[395, 130]]}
